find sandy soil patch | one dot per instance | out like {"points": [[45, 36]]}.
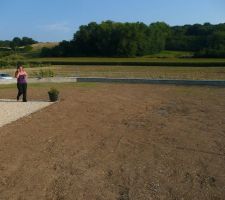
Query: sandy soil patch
{"points": [[11, 110]]}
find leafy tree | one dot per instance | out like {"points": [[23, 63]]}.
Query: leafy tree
{"points": [[4, 43], [137, 39], [27, 41], [16, 42]]}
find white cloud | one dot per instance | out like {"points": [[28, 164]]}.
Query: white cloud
{"points": [[61, 27]]}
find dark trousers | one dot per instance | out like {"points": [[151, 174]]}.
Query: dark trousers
{"points": [[22, 90]]}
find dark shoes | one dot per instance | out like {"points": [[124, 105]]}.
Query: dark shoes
{"points": [[24, 100]]}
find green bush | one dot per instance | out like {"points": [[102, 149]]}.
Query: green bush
{"points": [[53, 91], [53, 94]]}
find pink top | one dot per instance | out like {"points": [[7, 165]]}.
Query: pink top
{"points": [[21, 78]]}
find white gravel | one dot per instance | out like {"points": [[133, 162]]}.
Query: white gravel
{"points": [[11, 110]]}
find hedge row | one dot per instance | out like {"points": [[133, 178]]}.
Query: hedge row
{"points": [[13, 64], [169, 64]]}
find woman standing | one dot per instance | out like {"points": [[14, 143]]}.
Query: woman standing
{"points": [[21, 76]]}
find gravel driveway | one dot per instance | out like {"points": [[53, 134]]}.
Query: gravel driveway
{"points": [[11, 110]]}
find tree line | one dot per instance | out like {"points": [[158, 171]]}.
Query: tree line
{"points": [[138, 39], [17, 42], [205, 40], [115, 39]]}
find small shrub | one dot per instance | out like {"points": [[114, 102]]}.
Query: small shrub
{"points": [[53, 91], [53, 94]]}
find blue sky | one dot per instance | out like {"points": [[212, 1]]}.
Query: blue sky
{"points": [[56, 20]]}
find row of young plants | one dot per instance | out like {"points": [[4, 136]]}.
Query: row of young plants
{"points": [[180, 63]]}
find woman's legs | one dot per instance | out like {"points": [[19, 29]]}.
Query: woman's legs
{"points": [[24, 92], [20, 91]]}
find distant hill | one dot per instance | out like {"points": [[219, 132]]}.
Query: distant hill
{"points": [[40, 45]]}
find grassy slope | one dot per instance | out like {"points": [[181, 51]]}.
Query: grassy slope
{"points": [[40, 45]]}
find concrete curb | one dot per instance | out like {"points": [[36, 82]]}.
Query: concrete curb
{"points": [[53, 80], [154, 81]]}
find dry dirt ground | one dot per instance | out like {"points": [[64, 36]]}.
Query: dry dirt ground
{"points": [[117, 142]]}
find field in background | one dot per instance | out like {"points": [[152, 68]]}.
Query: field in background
{"points": [[193, 73], [164, 58], [164, 65]]}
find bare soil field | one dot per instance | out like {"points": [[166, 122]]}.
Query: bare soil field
{"points": [[116, 141]]}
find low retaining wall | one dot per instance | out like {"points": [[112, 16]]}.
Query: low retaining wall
{"points": [[154, 81]]}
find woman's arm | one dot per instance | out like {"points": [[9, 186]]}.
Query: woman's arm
{"points": [[26, 74], [16, 74]]}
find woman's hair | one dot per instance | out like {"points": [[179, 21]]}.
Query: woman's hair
{"points": [[18, 66]]}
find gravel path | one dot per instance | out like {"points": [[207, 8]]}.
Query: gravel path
{"points": [[11, 110]]}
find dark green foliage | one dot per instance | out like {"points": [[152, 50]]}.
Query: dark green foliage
{"points": [[113, 39], [25, 41], [137, 39], [205, 40], [53, 94], [17, 42], [27, 48], [210, 53], [5, 43]]}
